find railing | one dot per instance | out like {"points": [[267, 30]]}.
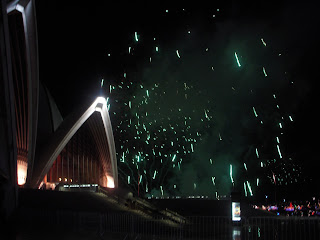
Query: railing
{"points": [[128, 226], [145, 207]]}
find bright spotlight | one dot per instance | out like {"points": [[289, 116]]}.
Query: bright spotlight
{"points": [[22, 168], [110, 182]]}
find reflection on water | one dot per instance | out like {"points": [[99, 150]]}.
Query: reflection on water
{"points": [[236, 233]]}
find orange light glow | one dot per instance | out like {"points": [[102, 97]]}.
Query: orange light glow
{"points": [[22, 168], [110, 182]]}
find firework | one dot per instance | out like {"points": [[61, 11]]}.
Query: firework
{"points": [[168, 119]]}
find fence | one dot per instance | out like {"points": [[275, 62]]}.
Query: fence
{"points": [[129, 226]]}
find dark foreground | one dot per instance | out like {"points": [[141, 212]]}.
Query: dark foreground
{"points": [[54, 215], [104, 226]]}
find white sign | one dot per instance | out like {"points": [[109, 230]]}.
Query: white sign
{"points": [[236, 211]]}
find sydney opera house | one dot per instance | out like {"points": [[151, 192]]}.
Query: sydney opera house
{"points": [[38, 148]]}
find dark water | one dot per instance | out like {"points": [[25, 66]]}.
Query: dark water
{"points": [[100, 226]]}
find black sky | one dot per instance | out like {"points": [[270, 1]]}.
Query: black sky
{"points": [[75, 38]]}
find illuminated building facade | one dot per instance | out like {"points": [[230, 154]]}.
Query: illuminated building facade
{"points": [[39, 146], [81, 150]]}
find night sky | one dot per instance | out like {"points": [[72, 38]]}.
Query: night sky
{"points": [[195, 92]]}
